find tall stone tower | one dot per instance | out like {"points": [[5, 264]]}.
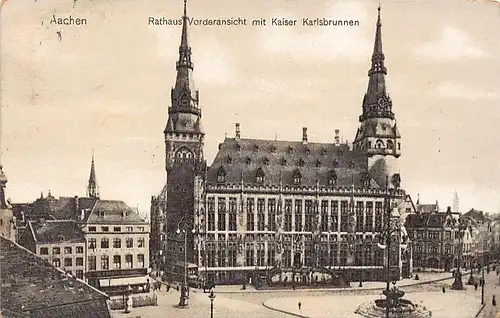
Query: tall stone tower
{"points": [[184, 139], [378, 136]]}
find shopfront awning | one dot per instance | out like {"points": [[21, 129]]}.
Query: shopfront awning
{"points": [[141, 280]]}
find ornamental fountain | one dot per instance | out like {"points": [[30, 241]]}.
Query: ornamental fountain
{"points": [[398, 306]]}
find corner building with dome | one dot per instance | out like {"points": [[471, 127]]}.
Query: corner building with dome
{"points": [[265, 208]]}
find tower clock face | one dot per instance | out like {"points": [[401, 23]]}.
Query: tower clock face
{"points": [[384, 103]]}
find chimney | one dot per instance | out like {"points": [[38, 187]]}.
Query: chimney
{"points": [[448, 209], [337, 137], [77, 205], [237, 131], [304, 135]]}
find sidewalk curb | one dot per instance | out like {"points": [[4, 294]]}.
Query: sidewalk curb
{"points": [[480, 310], [354, 289], [283, 311]]}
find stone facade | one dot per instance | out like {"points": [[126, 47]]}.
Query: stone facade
{"points": [[273, 204]]}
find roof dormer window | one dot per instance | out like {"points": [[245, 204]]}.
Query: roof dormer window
{"points": [[297, 177], [283, 161], [323, 151], [273, 148], [265, 161], [221, 175], [341, 152], [229, 159], [335, 163], [351, 165], [290, 149], [318, 163], [259, 176], [308, 151], [332, 178], [301, 162], [255, 148], [248, 160], [238, 146]]}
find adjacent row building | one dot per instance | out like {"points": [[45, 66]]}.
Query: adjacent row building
{"points": [[276, 204], [445, 240], [104, 242]]}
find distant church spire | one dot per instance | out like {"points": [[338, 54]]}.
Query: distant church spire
{"points": [[92, 188], [456, 203], [377, 103]]}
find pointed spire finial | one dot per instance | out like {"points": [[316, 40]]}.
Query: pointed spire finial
{"points": [[92, 188]]}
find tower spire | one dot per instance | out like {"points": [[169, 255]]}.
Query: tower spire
{"points": [[184, 95], [377, 102], [184, 49], [92, 188]]}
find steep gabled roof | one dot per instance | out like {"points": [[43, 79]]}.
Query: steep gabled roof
{"points": [[278, 160], [57, 231], [110, 211]]}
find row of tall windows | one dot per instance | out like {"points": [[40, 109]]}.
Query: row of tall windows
{"points": [[367, 218], [117, 243], [117, 262], [255, 255]]}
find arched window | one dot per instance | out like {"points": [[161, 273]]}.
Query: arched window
{"points": [[379, 144], [183, 155], [283, 161], [248, 160]]}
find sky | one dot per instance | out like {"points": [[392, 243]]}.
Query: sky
{"points": [[105, 88]]}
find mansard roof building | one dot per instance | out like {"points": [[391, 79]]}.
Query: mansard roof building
{"points": [[279, 204]]}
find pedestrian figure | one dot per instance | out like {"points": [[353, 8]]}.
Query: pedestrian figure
{"points": [[300, 304], [494, 301], [475, 285], [444, 290], [159, 286]]}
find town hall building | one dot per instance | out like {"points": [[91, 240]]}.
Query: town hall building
{"points": [[274, 206]]}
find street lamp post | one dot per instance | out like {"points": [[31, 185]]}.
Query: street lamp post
{"points": [[184, 227], [482, 284], [462, 226], [212, 298], [471, 277], [386, 236]]}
